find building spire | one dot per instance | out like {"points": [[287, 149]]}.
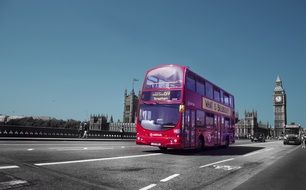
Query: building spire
{"points": [[278, 79], [278, 84]]}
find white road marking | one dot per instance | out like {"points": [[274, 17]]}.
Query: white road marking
{"points": [[30, 149], [78, 148], [148, 187], [13, 182], [258, 151], [8, 167], [216, 163], [252, 153], [169, 178], [226, 167], [255, 144], [95, 160]]}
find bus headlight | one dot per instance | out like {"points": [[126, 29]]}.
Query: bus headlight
{"points": [[176, 131]]}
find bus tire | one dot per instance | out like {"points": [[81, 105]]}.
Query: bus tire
{"points": [[227, 142], [200, 144], [163, 149]]}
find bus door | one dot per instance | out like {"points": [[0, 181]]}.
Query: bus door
{"points": [[217, 131], [222, 131], [189, 128]]}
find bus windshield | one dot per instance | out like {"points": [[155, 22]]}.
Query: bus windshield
{"points": [[164, 77], [158, 117]]}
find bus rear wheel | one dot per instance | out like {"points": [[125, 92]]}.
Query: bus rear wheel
{"points": [[200, 144], [226, 143]]}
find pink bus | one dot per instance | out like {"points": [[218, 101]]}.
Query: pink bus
{"points": [[180, 109]]}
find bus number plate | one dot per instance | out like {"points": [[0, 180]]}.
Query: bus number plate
{"points": [[155, 144]]}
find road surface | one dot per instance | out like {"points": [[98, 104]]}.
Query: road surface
{"points": [[124, 165]]}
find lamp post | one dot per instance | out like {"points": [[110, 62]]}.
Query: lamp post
{"points": [[134, 80]]}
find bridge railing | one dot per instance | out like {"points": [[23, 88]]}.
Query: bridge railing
{"points": [[47, 132]]}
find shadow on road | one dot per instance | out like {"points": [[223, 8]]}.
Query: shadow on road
{"points": [[241, 150]]}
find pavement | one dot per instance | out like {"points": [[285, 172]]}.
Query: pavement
{"points": [[60, 139]]}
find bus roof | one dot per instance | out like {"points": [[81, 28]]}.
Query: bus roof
{"points": [[185, 68]]}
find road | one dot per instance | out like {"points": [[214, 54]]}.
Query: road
{"points": [[124, 165]]}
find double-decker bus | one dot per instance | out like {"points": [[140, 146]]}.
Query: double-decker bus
{"points": [[180, 109]]}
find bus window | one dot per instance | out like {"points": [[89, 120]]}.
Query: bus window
{"points": [[164, 77], [222, 96], [216, 121], [200, 88], [231, 102], [217, 95], [200, 118], [209, 90], [209, 120], [227, 122], [190, 82], [226, 99]]}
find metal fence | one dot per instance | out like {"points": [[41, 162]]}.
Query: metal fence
{"points": [[128, 127], [41, 132]]}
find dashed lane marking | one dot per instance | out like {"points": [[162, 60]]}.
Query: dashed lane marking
{"points": [[216, 163], [8, 167], [226, 167], [169, 178], [95, 160], [10, 184], [148, 187]]}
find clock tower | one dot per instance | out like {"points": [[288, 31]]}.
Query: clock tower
{"points": [[280, 109]]}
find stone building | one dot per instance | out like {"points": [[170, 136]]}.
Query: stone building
{"points": [[249, 126], [280, 107], [130, 107], [98, 122]]}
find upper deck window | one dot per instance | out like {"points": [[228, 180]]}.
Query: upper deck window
{"points": [[164, 77], [209, 90], [200, 88], [217, 95], [226, 99], [190, 82]]}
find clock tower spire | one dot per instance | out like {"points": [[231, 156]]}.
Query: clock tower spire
{"points": [[280, 108]]}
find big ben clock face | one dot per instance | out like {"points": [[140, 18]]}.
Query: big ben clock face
{"points": [[278, 98]]}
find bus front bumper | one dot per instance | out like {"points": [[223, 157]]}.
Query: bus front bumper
{"points": [[169, 142]]}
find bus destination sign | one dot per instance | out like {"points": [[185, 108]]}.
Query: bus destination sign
{"points": [[161, 96], [216, 107]]}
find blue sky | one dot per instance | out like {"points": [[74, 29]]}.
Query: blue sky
{"points": [[69, 59]]}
